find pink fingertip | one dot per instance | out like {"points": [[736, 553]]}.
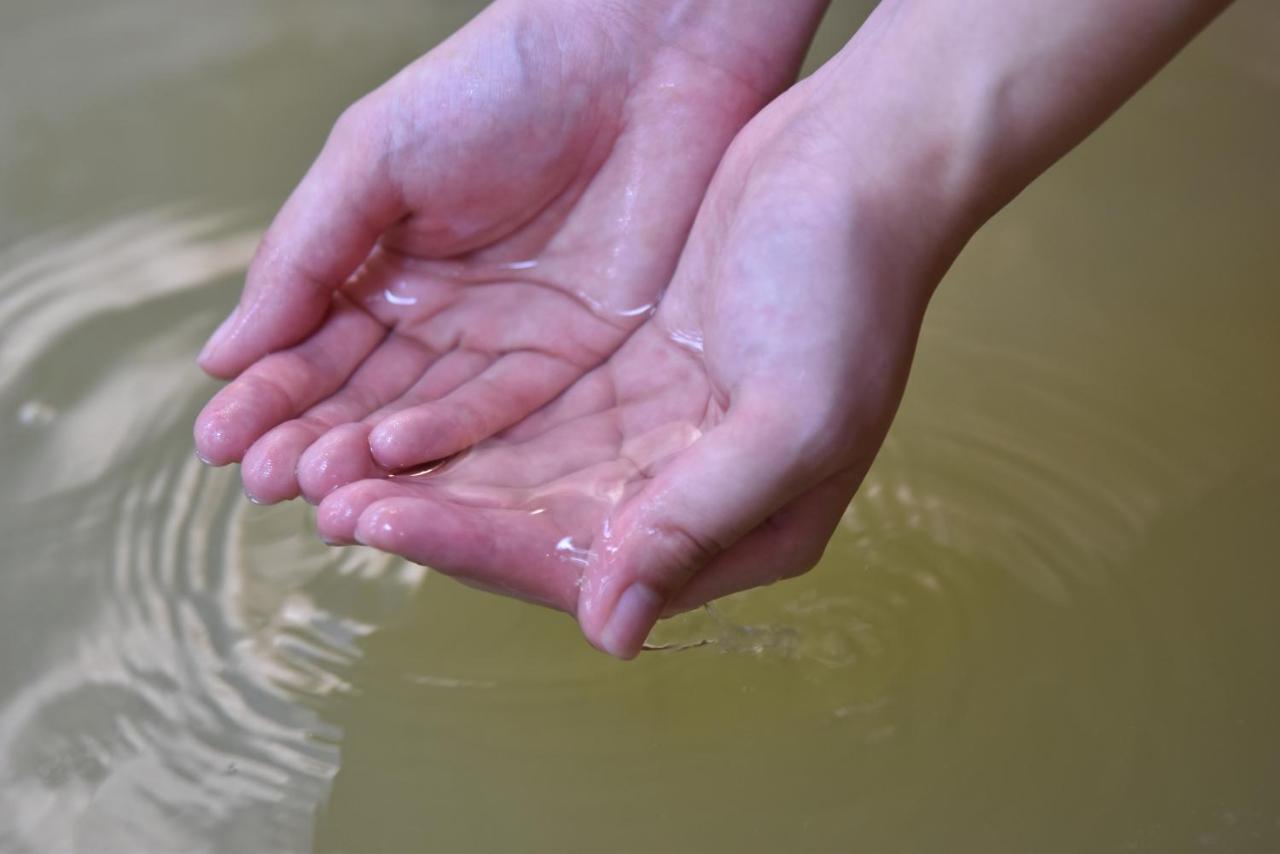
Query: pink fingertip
{"points": [[377, 528], [213, 444], [336, 521], [338, 458], [266, 477], [633, 617], [388, 445]]}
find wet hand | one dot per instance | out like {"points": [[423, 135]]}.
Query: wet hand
{"points": [[479, 233], [718, 447]]}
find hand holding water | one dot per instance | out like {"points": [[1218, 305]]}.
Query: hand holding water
{"points": [[481, 231], [717, 448], [641, 462]]}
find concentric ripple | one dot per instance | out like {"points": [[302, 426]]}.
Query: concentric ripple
{"points": [[972, 519], [184, 635]]}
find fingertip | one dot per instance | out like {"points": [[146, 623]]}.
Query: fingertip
{"points": [[268, 470], [380, 527], [217, 367], [215, 438], [392, 442], [339, 512], [336, 459], [336, 521], [215, 358], [633, 617]]}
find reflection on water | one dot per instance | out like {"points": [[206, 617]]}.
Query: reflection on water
{"points": [[188, 633], [1047, 621]]}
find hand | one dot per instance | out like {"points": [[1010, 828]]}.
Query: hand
{"points": [[480, 232], [718, 447]]}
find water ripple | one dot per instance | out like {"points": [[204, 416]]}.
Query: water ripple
{"points": [[174, 639]]}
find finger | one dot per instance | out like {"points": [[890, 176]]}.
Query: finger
{"points": [[269, 469], [285, 384], [594, 393], [789, 543], [705, 500], [506, 550], [511, 388], [276, 466], [582, 451], [338, 513], [320, 237], [270, 466], [343, 455], [443, 376], [337, 458]]}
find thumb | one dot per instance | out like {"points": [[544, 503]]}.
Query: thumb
{"points": [[323, 233], [705, 500]]}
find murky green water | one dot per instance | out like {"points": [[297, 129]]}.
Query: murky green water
{"points": [[1049, 621]]}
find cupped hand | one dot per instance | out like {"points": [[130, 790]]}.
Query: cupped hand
{"points": [[479, 233], [718, 447]]}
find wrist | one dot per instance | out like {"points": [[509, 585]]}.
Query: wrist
{"points": [[966, 104], [758, 42], [888, 136], [905, 190]]}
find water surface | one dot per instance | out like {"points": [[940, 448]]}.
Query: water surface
{"points": [[1048, 621]]}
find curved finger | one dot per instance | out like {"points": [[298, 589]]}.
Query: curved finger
{"points": [[338, 513], [510, 551], [339, 457], [444, 375], [270, 466], [514, 386], [285, 384]]}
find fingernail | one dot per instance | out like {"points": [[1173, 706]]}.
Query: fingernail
{"points": [[219, 335], [632, 618]]}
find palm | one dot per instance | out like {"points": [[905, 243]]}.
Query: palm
{"points": [[522, 512], [495, 260], [714, 451]]}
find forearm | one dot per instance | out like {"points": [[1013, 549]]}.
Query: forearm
{"points": [[969, 102]]}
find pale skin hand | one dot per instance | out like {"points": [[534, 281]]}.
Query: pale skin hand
{"points": [[481, 231], [716, 450]]}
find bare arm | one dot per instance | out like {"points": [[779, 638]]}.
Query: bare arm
{"points": [[963, 104]]}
